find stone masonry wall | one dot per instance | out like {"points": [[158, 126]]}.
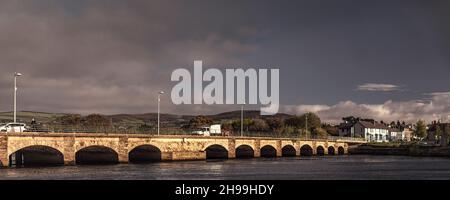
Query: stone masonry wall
{"points": [[172, 148], [4, 151]]}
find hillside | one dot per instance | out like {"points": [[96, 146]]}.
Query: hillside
{"points": [[43, 117], [27, 116], [247, 114]]}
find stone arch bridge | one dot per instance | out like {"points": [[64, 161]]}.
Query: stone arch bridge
{"points": [[72, 148]]}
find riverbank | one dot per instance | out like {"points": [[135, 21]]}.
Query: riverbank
{"points": [[400, 150]]}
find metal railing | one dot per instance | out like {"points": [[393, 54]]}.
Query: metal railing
{"points": [[130, 129]]}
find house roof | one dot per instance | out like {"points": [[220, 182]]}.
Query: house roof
{"points": [[345, 125], [377, 125]]}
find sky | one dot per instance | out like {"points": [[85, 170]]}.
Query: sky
{"points": [[388, 60]]}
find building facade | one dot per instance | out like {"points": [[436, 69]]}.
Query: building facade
{"points": [[396, 134], [408, 133], [372, 131]]}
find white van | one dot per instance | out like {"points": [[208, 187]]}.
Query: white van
{"points": [[207, 131], [215, 129], [13, 127]]}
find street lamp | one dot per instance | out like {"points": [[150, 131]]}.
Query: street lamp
{"points": [[15, 95], [306, 125], [159, 100], [242, 119]]}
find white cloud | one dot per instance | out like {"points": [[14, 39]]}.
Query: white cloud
{"points": [[305, 108], [378, 87], [438, 107]]}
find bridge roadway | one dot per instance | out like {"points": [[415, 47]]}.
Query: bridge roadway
{"points": [[80, 148]]}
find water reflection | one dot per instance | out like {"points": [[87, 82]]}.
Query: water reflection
{"points": [[326, 167]]}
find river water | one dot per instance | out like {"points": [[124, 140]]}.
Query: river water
{"points": [[298, 168]]}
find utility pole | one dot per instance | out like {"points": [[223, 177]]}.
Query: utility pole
{"points": [[159, 100], [242, 120], [15, 95], [306, 125]]}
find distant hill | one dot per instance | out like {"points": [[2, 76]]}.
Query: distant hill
{"points": [[247, 114], [43, 117], [147, 117], [27, 116], [233, 115]]}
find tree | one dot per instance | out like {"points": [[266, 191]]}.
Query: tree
{"points": [[313, 120], [447, 129], [258, 125], [320, 132], [70, 119], [145, 128], [295, 121], [245, 124], [227, 126], [421, 130], [446, 132], [275, 124], [331, 130], [198, 122], [289, 130], [393, 125], [96, 120], [300, 121], [438, 132]]}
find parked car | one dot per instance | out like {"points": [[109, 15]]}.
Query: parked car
{"points": [[13, 127], [202, 131]]}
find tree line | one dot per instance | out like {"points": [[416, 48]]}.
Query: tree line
{"points": [[308, 124]]}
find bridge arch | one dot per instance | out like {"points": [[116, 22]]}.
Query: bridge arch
{"points": [[216, 151], [144, 154], [96, 155], [288, 151], [29, 142], [268, 151], [331, 150], [36, 155], [245, 151], [306, 150], [320, 151], [341, 150]]}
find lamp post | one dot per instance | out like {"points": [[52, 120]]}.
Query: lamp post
{"points": [[159, 100], [242, 120], [15, 95], [306, 125]]}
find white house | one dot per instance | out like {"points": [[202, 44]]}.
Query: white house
{"points": [[370, 130]]}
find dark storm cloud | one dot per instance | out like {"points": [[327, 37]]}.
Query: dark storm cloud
{"points": [[106, 57], [114, 56]]}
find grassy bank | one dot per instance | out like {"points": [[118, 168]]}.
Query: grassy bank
{"points": [[404, 149]]}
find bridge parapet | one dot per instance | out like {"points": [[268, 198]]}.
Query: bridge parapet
{"points": [[170, 147]]}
